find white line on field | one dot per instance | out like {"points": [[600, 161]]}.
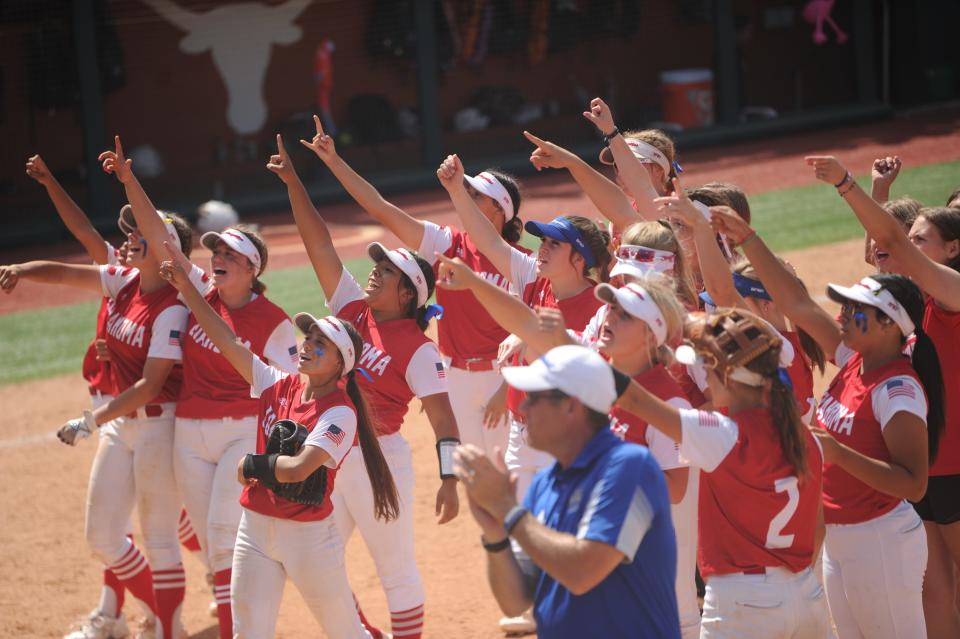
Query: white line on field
{"points": [[19, 442]]}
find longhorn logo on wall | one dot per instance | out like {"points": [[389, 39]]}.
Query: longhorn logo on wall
{"points": [[240, 38]]}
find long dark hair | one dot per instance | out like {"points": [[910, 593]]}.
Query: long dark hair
{"points": [[419, 313], [512, 229], [925, 361], [598, 243], [260, 244], [386, 502]]}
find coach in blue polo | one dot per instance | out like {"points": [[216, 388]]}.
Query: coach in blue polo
{"points": [[595, 526]]}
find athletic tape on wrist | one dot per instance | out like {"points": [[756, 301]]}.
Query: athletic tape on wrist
{"points": [[260, 467], [445, 448]]}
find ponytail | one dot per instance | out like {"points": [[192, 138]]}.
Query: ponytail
{"points": [[786, 420], [386, 503], [926, 363], [812, 351]]}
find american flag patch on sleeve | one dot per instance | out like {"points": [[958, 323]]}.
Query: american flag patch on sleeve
{"points": [[441, 374], [897, 388], [175, 338], [334, 434], [709, 420]]}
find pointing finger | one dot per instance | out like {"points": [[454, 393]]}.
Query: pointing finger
{"points": [[534, 139], [116, 141], [319, 125], [280, 149]]}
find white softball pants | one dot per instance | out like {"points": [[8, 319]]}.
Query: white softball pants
{"points": [[206, 455], [777, 605], [523, 460], [134, 466], [269, 550], [684, 516], [391, 543], [873, 572], [469, 393]]}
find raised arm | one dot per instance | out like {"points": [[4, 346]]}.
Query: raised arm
{"points": [[149, 223], [508, 310], [219, 332], [478, 227], [714, 268], [316, 236], [783, 286], [400, 223], [937, 280], [635, 177], [76, 275], [72, 215], [609, 198]]}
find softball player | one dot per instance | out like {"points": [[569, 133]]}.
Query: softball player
{"points": [[280, 537], [882, 419], [144, 326], [639, 321], [930, 257], [399, 362], [215, 415], [468, 337], [756, 561]]}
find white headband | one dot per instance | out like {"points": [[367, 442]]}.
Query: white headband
{"points": [[333, 328], [636, 301], [646, 153], [649, 258], [236, 240], [489, 185]]}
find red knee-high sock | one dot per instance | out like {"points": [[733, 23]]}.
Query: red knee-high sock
{"points": [[375, 633], [169, 586], [133, 571], [407, 624], [221, 593], [188, 537]]}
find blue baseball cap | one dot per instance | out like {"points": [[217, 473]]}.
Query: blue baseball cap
{"points": [[560, 229]]}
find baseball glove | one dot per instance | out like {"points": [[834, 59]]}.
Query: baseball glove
{"points": [[286, 437]]}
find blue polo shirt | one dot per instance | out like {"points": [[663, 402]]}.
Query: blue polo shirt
{"points": [[615, 493]]}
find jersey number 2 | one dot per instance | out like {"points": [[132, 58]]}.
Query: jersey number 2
{"points": [[775, 536]]}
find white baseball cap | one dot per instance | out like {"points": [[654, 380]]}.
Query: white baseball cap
{"points": [[574, 370], [128, 223], [335, 331], [636, 301], [646, 153], [489, 185], [237, 240], [870, 292], [406, 262]]}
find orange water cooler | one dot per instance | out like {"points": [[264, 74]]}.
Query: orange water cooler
{"points": [[687, 97]]}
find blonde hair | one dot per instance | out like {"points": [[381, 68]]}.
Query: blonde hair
{"points": [[659, 235], [660, 290]]}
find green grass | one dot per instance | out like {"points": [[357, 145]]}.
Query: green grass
{"points": [[47, 342]]}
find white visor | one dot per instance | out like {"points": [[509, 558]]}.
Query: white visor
{"points": [[870, 292], [236, 240], [646, 153], [489, 185], [574, 370], [636, 301], [128, 223], [335, 331], [405, 261]]}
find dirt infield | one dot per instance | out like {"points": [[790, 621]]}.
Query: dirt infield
{"points": [[51, 578]]}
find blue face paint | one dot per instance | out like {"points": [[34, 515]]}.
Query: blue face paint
{"points": [[143, 243], [860, 321], [319, 351]]}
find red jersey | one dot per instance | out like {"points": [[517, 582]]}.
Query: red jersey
{"points": [[467, 331], [854, 410], [212, 388], [754, 512], [801, 374], [95, 371], [658, 381], [577, 313], [398, 357], [331, 421], [943, 327], [140, 326]]}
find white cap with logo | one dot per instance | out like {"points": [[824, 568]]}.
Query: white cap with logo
{"points": [[574, 370]]}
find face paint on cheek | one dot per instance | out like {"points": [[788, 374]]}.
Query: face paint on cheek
{"points": [[860, 321], [143, 243], [319, 352]]}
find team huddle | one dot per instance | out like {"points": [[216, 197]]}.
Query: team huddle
{"points": [[629, 412]]}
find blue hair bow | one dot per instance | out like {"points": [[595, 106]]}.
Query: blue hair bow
{"points": [[364, 372], [677, 167], [433, 310], [785, 377]]}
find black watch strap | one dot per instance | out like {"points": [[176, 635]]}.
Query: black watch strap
{"points": [[611, 135], [498, 546]]}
